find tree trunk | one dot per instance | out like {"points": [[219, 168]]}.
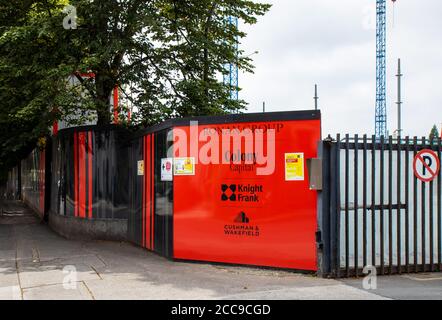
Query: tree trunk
{"points": [[102, 103]]}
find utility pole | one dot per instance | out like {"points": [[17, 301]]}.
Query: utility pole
{"points": [[316, 97], [399, 99], [264, 107]]}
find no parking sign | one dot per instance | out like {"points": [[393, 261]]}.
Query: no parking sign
{"points": [[426, 165]]}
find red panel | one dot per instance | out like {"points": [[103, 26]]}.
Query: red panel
{"points": [[275, 227], [42, 182], [116, 115], [87, 75], [55, 128], [147, 192], [90, 179], [152, 191], [82, 174], [76, 174]]}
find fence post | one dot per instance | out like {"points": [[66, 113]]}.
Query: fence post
{"points": [[328, 233], [323, 234]]}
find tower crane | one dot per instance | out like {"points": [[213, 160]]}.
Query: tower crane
{"points": [[231, 77], [381, 64]]}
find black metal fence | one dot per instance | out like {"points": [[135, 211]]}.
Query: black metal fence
{"points": [[375, 211]]}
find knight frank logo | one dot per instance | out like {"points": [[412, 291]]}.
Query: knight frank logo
{"points": [[241, 192], [228, 192]]}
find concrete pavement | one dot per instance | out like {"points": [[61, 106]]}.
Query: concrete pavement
{"points": [[36, 263]]}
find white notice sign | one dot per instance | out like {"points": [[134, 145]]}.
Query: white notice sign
{"points": [[167, 169]]}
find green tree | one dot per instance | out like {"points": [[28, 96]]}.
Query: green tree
{"points": [[434, 134], [197, 47], [171, 52], [27, 87]]}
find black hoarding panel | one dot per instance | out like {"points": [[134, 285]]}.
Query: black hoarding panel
{"points": [[163, 217], [90, 173], [136, 190]]}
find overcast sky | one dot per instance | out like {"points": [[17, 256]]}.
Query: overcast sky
{"points": [[332, 43]]}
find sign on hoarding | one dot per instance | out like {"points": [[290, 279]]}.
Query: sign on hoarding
{"points": [[184, 166], [166, 169], [294, 167]]}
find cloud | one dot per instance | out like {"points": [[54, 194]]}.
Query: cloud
{"points": [[303, 42]]}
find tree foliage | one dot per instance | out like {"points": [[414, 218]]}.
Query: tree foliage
{"points": [[28, 84], [171, 53], [434, 134]]}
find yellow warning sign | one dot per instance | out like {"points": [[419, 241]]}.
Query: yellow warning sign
{"points": [[140, 167], [184, 166], [294, 167]]}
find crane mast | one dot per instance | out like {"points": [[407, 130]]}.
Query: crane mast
{"points": [[381, 40], [231, 77]]}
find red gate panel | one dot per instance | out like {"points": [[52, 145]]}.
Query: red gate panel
{"points": [[227, 213]]}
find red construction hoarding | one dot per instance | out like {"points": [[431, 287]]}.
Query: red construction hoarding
{"points": [[230, 211]]}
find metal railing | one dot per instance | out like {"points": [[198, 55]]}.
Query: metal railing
{"points": [[374, 209]]}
